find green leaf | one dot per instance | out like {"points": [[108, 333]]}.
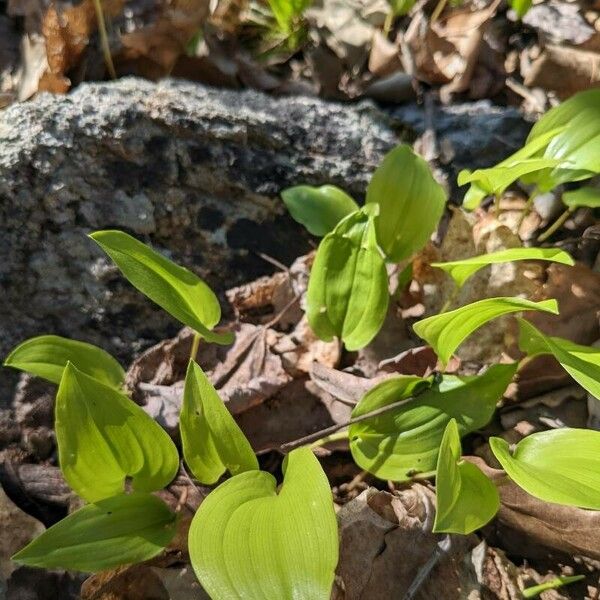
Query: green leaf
{"points": [[560, 466], [461, 270], [445, 332], [211, 439], [553, 584], [287, 11], [411, 203], [103, 438], [520, 7], [466, 499], [401, 7], [405, 441], [47, 355], [249, 540], [121, 530], [584, 196], [581, 362], [348, 286], [175, 289], [319, 209]]}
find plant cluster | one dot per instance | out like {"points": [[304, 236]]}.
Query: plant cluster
{"points": [[250, 538]]}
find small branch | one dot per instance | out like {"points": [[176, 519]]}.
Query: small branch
{"points": [[104, 39]]}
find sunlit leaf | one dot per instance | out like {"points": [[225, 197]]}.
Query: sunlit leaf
{"points": [[348, 287], [175, 289], [584, 196], [251, 540], [211, 439], [47, 355], [116, 531], [560, 466], [104, 437], [411, 203], [535, 590], [405, 441], [287, 11], [581, 362], [461, 270], [446, 331], [521, 7], [319, 209], [466, 499]]}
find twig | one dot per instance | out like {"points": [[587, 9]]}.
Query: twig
{"points": [[442, 548], [104, 39]]}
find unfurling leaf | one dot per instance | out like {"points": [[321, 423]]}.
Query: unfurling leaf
{"points": [[466, 499], [406, 441], [211, 439], [175, 289], [116, 531], [319, 209], [560, 466], [461, 270], [584, 196], [348, 287], [249, 540], [446, 331], [581, 362], [411, 203], [47, 355], [103, 438]]}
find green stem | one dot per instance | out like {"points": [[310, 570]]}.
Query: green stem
{"points": [[195, 345], [104, 39], [441, 5], [389, 21], [451, 298], [556, 225], [527, 208], [334, 437]]}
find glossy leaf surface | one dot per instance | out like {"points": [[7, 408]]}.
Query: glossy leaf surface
{"points": [[584, 196], [249, 540]]}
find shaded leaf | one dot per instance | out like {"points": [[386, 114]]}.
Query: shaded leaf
{"points": [[175, 289], [249, 540], [584, 196], [116, 531], [103, 438], [560, 466], [47, 355], [319, 209], [446, 331]]}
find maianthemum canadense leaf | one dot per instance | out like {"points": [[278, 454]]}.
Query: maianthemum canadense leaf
{"points": [[319, 209], [560, 466], [461, 270], [446, 331], [581, 362], [47, 355], [103, 438], [406, 441], [211, 439], [584, 196], [411, 203], [466, 499], [116, 531], [175, 289], [250, 540], [348, 287]]}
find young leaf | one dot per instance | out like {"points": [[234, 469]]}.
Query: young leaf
{"points": [[560, 466], [446, 331], [319, 209], [47, 355], [248, 540], [103, 438], [405, 441], [461, 270], [535, 590], [116, 531], [466, 499], [211, 439], [348, 286], [175, 289], [584, 196], [411, 203], [581, 362]]}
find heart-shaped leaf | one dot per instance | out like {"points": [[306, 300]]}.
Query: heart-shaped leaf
{"points": [[560, 466], [348, 288], [466, 499], [446, 331], [116, 531], [103, 438], [406, 441], [461, 270], [211, 439], [411, 203], [319, 209], [47, 355], [175, 289], [584, 196], [249, 540]]}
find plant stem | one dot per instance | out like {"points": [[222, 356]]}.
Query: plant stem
{"points": [[104, 39], [195, 345], [527, 209], [389, 21], [497, 205], [450, 299], [334, 437], [441, 5], [556, 225]]}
